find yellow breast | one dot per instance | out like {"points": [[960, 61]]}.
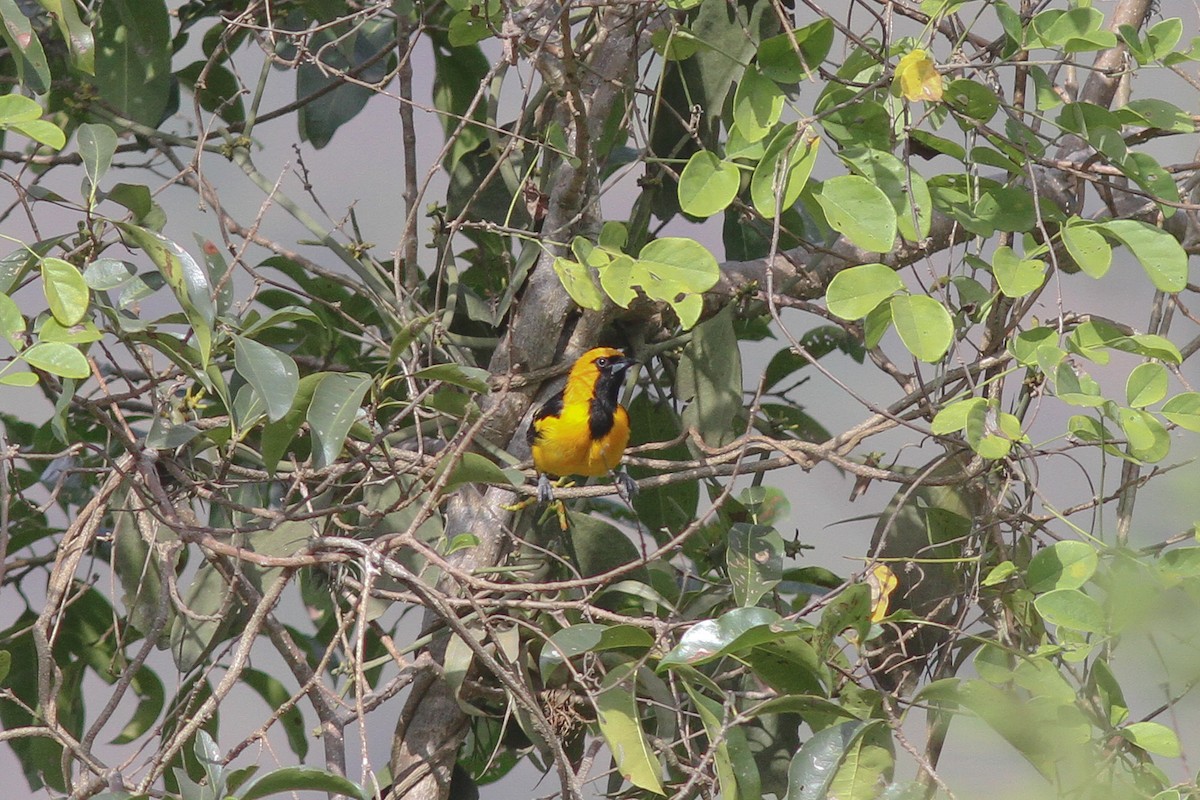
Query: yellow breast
{"points": [[564, 445]]}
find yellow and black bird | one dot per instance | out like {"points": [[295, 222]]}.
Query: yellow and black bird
{"points": [[583, 429]]}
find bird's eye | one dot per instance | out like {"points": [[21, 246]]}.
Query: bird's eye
{"points": [[602, 361]]}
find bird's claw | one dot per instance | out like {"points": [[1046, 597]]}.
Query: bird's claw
{"points": [[626, 486]]}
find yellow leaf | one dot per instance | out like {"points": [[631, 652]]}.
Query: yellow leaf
{"points": [[919, 78], [882, 582]]}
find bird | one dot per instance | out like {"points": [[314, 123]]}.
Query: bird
{"points": [[583, 429]]}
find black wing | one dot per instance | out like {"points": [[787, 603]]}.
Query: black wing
{"points": [[551, 408]]}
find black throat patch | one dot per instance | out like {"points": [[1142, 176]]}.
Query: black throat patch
{"points": [[604, 403]]}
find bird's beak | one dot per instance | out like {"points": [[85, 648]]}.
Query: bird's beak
{"points": [[623, 363]]}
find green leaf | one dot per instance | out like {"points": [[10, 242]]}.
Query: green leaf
{"points": [[938, 144], [221, 93], [855, 292], [278, 436], [271, 373], [754, 560], [1161, 256], [1096, 124], [477, 468], [66, 291], [211, 612], [853, 121], [186, 277], [999, 574], [133, 62], [252, 326], [1006, 208], [668, 507], [18, 108], [1077, 389], [983, 206], [601, 547], [1153, 737], [1059, 29], [576, 278], [42, 131], [1156, 181], [676, 43], [75, 33], [671, 267], [1153, 112], [335, 406], [1017, 276], [1071, 609], [1064, 565], [1184, 410], [817, 343], [986, 156], [469, 26], [1089, 429], [851, 609], [1147, 384], [1088, 248], [621, 727], [83, 333], [472, 378], [12, 322], [104, 274], [788, 664], [860, 210], [295, 779], [867, 764], [1092, 338], [1150, 345], [709, 380], [736, 147], [165, 435], [712, 716], [1043, 731], [707, 184], [616, 277], [347, 48], [33, 71], [58, 359], [790, 57], [924, 325], [831, 763], [1162, 38], [22, 379], [876, 324], [138, 566], [907, 190], [971, 99], [1148, 440], [97, 143], [149, 690], [590, 637], [757, 104], [1026, 345], [276, 696], [783, 170], [733, 632], [953, 418]]}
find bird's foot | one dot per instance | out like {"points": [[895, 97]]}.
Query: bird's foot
{"points": [[626, 486]]}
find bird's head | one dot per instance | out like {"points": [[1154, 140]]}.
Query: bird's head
{"points": [[602, 361]]}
